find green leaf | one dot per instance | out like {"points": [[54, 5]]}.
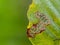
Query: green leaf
{"points": [[51, 8]]}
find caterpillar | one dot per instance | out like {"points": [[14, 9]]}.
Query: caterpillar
{"points": [[40, 26]]}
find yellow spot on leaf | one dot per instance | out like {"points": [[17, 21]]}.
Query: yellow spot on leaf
{"points": [[29, 25], [32, 6]]}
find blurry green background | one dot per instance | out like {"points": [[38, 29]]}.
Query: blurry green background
{"points": [[13, 22]]}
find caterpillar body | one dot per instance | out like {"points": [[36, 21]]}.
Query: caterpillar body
{"points": [[40, 26]]}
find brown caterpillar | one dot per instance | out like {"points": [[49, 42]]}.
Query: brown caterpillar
{"points": [[40, 26]]}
